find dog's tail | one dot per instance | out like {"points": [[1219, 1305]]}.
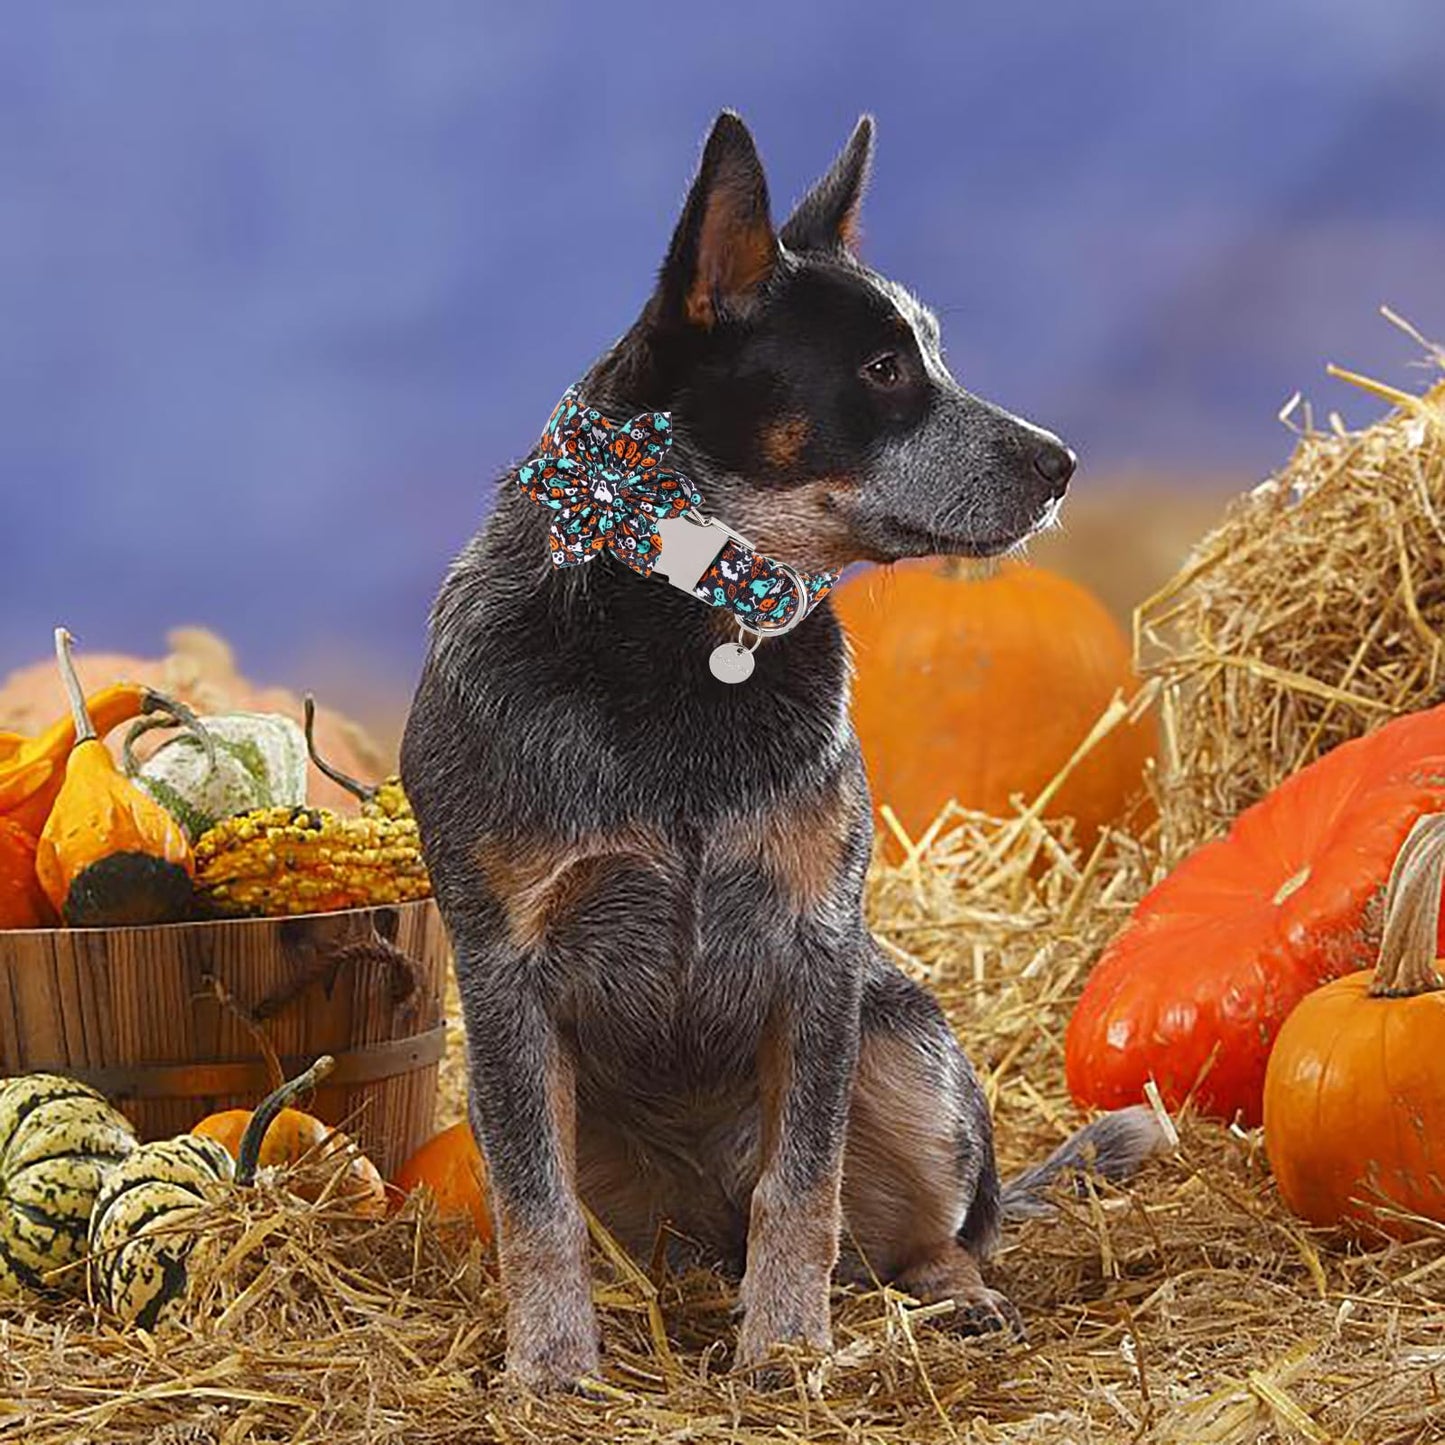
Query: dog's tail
{"points": [[1113, 1147]]}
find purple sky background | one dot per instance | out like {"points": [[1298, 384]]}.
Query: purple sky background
{"points": [[283, 288]]}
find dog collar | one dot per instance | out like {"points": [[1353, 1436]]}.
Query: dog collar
{"points": [[607, 489]]}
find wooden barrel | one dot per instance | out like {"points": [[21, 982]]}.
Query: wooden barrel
{"points": [[176, 1021]]}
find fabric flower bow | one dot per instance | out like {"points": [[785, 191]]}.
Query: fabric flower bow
{"points": [[604, 484]]}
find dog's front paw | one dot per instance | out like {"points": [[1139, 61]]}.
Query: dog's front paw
{"points": [[797, 1316], [558, 1365], [757, 1342], [552, 1349]]}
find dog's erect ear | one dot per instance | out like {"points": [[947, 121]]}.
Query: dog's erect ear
{"points": [[827, 217], [724, 247]]}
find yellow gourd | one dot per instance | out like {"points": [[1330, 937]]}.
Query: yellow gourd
{"points": [[33, 768], [109, 855]]}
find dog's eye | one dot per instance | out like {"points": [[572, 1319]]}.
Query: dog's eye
{"points": [[884, 371]]}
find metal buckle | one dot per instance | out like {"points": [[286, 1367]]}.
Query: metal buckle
{"points": [[691, 543]]}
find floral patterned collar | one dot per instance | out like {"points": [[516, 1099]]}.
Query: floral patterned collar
{"points": [[608, 489]]}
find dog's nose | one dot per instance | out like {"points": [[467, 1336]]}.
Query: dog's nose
{"points": [[1055, 463]]}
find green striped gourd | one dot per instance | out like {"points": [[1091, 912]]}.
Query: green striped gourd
{"points": [[59, 1140], [141, 1233], [146, 1219]]}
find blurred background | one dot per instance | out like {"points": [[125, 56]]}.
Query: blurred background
{"points": [[284, 287]]}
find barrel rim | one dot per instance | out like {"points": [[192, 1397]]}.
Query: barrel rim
{"points": [[201, 924]]}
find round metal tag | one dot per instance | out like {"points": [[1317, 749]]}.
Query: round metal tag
{"points": [[732, 662]]}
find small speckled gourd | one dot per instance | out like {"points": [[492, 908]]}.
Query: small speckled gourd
{"points": [[59, 1140], [142, 1231], [140, 1234]]}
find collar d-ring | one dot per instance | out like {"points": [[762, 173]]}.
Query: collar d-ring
{"points": [[805, 602]]}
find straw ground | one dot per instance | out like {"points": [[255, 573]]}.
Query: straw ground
{"points": [[1188, 1307]]}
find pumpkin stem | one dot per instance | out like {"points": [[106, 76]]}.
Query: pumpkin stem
{"points": [[967, 569], [249, 1153], [80, 714], [361, 791], [167, 712], [1408, 949]]}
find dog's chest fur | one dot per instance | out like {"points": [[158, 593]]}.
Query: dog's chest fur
{"points": [[656, 844]]}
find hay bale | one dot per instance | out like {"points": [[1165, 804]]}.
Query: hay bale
{"points": [[1313, 613]]}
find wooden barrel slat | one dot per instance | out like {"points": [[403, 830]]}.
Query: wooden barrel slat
{"points": [[42, 1032], [107, 1047], [72, 1011], [77, 999], [9, 1017]]}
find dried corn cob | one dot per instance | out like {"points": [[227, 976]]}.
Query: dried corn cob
{"points": [[307, 860], [387, 799]]}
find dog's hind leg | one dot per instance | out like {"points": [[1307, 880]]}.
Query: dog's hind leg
{"points": [[921, 1198], [921, 1194]]}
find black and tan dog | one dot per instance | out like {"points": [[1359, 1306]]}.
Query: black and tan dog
{"points": [[653, 881]]}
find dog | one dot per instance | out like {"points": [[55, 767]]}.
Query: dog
{"points": [[653, 879]]}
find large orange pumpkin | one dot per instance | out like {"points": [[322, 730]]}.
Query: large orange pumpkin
{"points": [[1354, 1097], [982, 689], [452, 1167], [1193, 991], [294, 1135]]}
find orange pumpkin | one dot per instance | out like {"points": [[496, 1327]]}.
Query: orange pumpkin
{"points": [[23, 903], [294, 1135], [980, 690], [1192, 992], [1354, 1096], [452, 1167]]}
